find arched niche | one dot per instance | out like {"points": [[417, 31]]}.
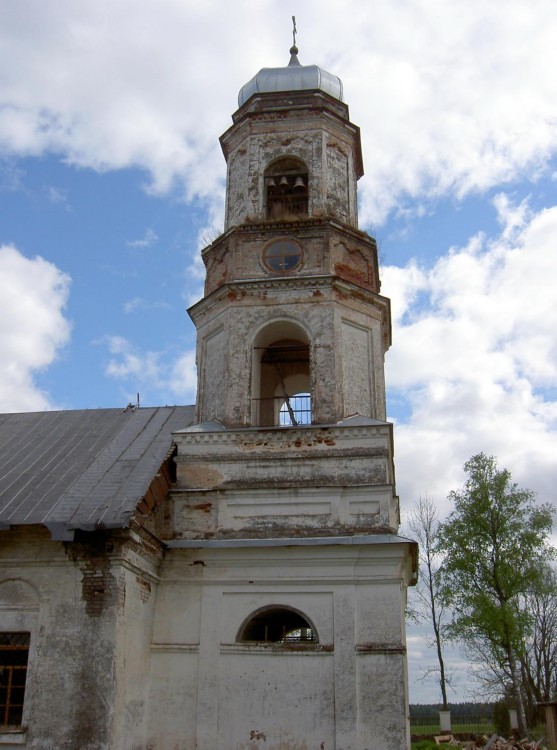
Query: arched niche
{"points": [[15, 593], [281, 375], [277, 624], [286, 189]]}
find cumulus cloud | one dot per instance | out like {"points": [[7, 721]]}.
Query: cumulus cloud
{"points": [[474, 362], [450, 96], [156, 376], [33, 328]]}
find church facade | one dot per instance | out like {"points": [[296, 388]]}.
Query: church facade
{"points": [[227, 577]]}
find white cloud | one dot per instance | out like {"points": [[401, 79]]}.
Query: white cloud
{"points": [[57, 195], [156, 376], [149, 238], [475, 359], [140, 303], [451, 97], [33, 329], [11, 175]]}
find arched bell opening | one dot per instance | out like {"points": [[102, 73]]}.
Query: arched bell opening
{"points": [[282, 376], [286, 189], [277, 625]]}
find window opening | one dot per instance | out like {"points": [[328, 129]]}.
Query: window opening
{"points": [[278, 625], [14, 654], [285, 364], [282, 256], [295, 410], [286, 189]]}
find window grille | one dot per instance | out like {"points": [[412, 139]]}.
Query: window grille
{"points": [[14, 654], [295, 410]]}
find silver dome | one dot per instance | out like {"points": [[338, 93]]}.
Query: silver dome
{"points": [[294, 77]]}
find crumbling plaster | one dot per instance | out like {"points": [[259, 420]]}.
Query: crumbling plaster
{"points": [[90, 626], [312, 127]]}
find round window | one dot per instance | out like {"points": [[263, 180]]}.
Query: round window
{"points": [[282, 255]]}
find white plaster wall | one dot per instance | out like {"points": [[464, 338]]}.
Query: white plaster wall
{"points": [[383, 701], [357, 366], [211, 693], [282, 701], [173, 686], [132, 649]]}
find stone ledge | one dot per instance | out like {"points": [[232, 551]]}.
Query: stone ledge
{"points": [[15, 738]]}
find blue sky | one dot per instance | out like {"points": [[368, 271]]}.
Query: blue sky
{"points": [[112, 179]]}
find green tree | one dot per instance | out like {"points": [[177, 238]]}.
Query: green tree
{"points": [[495, 546], [423, 523]]}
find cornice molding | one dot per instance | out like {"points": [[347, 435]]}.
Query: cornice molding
{"points": [[240, 289]]}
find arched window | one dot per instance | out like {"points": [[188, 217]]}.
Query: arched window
{"points": [[282, 379], [286, 189], [277, 625]]}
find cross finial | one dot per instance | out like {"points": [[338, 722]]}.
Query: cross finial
{"points": [[294, 50]]}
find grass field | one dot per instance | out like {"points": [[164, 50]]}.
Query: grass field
{"points": [[485, 727]]}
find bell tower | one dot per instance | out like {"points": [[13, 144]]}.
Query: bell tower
{"points": [[281, 530], [292, 328]]}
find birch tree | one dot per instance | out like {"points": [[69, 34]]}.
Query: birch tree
{"points": [[495, 547]]}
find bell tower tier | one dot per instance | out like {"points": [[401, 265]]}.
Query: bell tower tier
{"points": [[292, 153]]}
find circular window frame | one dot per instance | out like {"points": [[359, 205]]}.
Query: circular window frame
{"points": [[279, 262]]}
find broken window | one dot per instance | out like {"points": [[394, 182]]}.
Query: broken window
{"points": [[286, 189], [278, 625], [14, 654]]}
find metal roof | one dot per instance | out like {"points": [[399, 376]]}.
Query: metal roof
{"points": [[82, 469], [293, 77]]}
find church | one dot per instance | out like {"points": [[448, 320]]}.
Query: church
{"points": [[227, 576]]}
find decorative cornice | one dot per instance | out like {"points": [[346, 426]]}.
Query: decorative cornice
{"points": [[270, 226], [265, 436], [240, 288]]}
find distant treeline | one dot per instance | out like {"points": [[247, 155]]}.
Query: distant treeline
{"points": [[459, 711]]}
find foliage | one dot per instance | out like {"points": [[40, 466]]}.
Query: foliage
{"points": [[495, 547], [424, 526]]}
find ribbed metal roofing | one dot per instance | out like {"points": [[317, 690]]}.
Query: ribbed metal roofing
{"points": [[294, 77], [82, 469]]}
